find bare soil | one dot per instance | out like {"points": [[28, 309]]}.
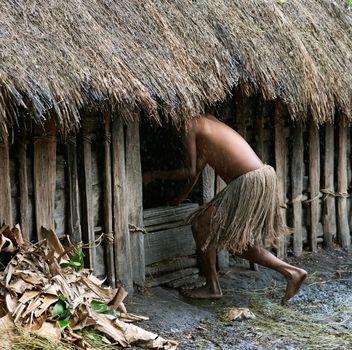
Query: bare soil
{"points": [[318, 317]]}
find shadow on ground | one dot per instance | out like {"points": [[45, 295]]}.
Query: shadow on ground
{"points": [[318, 317]]}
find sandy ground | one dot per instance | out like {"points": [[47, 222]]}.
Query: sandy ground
{"points": [[318, 317]]}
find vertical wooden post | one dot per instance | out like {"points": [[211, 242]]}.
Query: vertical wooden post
{"points": [[74, 217], [329, 212], [343, 228], [122, 247], [23, 180], [314, 181], [45, 177], [5, 185], [280, 160], [208, 179], [108, 217], [297, 173], [88, 234], [135, 202], [241, 115]]}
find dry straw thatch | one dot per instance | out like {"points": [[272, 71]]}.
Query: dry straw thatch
{"points": [[176, 56]]}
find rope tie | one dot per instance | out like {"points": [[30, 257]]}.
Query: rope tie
{"points": [[109, 237], [70, 139], [310, 200], [134, 228], [107, 137], [299, 198], [328, 192], [89, 138], [44, 138]]}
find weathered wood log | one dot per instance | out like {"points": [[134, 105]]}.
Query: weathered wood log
{"points": [[135, 202], [5, 185], [23, 182], [45, 176], [87, 219], [74, 216], [314, 181], [122, 244], [108, 205], [329, 211], [342, 219], [280, 160], [297, 172], [169, 244]]}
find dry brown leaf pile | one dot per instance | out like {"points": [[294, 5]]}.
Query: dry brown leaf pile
{"points": [[32, 283]]}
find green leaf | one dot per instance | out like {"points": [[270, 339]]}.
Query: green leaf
{"points": [[99, 307], [76, 262], [58, 309], [63, 323]]}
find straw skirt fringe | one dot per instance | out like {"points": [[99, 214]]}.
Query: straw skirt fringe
{"points": [[247, 212]]}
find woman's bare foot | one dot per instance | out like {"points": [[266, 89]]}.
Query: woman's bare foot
{"points": [[201, 293], [294, 282]]}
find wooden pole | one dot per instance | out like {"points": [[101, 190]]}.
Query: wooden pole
{"points": [[108, 217], [135, 202], [314, 180], [45, 176], [122, 247], [343, 228], [242, 114], [208, 179], [23, 181], [329, 211], [74, 217], [5, 185], [297, 173], [88, 234], [280, 160]]}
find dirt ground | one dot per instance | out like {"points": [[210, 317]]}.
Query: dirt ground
{"points": [[318, 317]]}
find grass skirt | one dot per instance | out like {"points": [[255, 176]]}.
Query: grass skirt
{"points": [[247, 212]]}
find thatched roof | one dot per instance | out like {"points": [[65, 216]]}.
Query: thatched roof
{"points": [[175, 56]]}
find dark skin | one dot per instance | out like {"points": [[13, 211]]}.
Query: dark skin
{"points": [[208, 141]]}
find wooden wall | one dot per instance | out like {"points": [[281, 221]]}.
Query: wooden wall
{"points": [[89, 186]]}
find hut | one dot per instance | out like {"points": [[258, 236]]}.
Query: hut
{"points": [[77, 78]]}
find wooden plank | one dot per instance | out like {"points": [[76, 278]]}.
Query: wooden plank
{"points": [[314, 181], [297, 172], [44, 177], [135, 201], [169, 244], [329, 211], [74, 216], [87, 219], [156, 216], [122, 244], [342, 219], [172, 265], [108, 205], [280, 160], [23, 182]]}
